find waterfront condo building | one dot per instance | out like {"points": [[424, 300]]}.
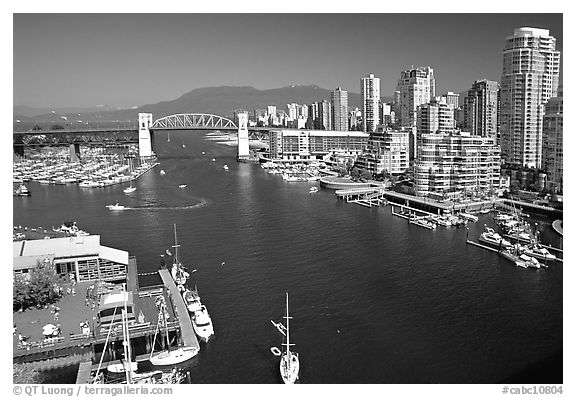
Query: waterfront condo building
{"points": [[481, 109], [386, 152], [552, 151], [454, 164], [304, 145], [435, 116], [415, 87], [339, 99], [370, 92], [531, 68]]}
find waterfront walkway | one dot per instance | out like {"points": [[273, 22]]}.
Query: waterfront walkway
{"points": [[187, 332]]}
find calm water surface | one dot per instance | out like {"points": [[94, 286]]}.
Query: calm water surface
{"points": [[374, 299]]}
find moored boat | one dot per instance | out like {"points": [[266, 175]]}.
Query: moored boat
{"points": [[202, 323], [192, 300], [489, 236], [22, 191]]}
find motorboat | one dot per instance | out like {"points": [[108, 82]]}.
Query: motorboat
{"points": [[22, 191], [162, 172], [313, 189], [538, 252], [116, 207], [118, 368], [226, 167], [520, 236], [492, 238], [514, 258], [530, 261], [182, 186], [202, 324], [289, 360], [467, 216], [129, 189], [192, 300]]}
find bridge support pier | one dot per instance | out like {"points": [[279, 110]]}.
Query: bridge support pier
{"points": [[243, 145], [144, 135], [74, 152]]}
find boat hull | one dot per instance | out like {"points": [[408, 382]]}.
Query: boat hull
{"points": [[172, 357], [289, 368]]}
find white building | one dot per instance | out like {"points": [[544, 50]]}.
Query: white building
{"points": [[370, 92], [552, 143], [531, 69], [454, 164], [83, 257], [415, 87], [387, 151], [309, 145], [339, 100]]}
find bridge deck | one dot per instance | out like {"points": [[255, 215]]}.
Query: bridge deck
{"points": [[187, 332]]}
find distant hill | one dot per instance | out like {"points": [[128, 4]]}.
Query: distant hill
{"points": [[222, 101], [28, 111]]}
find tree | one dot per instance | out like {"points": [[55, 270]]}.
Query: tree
{"points": [[36, 128], [42, 287], [25, 373]]}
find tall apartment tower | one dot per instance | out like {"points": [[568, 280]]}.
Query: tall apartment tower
{"points": [[416, 87], [552, 151], [370, 91], [481, 109], [339, 100], [531, 69], [435, 117], [324, 120]]}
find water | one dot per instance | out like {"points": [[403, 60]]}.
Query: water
{"points": [[374, 299]]}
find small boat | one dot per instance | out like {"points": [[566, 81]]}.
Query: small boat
{"points": [[289, 361], [226, 167], [168, 137], [115, 207], [538, 252], [485, 211], [22, 191], [203, 152], [492, 238], [162, 172], [192, 300], [530, 261], [183, 145], [202, 324], [313, 189], [469, 217], [213, 159], [514, 258], [520, 236], [129, 189], [182, 186]]}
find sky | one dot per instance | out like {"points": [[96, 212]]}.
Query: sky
{"points": [[125, 60]]}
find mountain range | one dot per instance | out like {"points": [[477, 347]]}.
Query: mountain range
{"points": [[223, 101]]}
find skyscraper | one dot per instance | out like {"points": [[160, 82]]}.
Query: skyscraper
{"points": [[552, 151], [531, 69], [435, 117], [339, 110], [481, 109], [416, 87], [370, 91]]}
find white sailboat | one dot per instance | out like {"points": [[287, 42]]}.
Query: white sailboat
{"points": [[289, 360], [170, 356], [131, 188], [178, 271]]}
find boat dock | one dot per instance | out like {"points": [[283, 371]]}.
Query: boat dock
{"points": [[84, 375], [186, 330], [366, 196], [482, 246]]}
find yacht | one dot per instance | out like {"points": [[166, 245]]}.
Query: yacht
{"points": [[192, 300], [530, 261], [514, 258], [182, 186], [289, 360], [520, 236], [202, 323], [130, 189], [469, 217], [492, 238], [538, 252]]}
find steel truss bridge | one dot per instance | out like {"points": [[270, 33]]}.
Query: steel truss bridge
{"points": [[116, 136]]}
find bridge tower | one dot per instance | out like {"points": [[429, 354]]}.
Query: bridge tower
{"points": [[243, 146], [144, 136]]}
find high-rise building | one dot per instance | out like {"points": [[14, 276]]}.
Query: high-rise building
{"points": [[552, 151], [370, 91], [452, 165], [435, 117], [481, 109], [355, 120], [339, 109], [415, 87], [451, 98], [324, 120], [531, 69], [387, 151]]}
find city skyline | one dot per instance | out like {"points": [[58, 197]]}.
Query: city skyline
{"points": [[126, 60]]}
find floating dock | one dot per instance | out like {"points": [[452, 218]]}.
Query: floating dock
{"points": [[186, 330]]}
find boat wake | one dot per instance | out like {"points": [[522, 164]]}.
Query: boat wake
{"points": [[201, 204]]}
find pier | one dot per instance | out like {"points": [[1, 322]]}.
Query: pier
{"points": [[365, 196], [186, 330]]}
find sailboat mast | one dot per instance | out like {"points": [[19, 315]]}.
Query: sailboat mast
{"points": [[166, 326], [175, 246], [287, 331], [128, 348]]}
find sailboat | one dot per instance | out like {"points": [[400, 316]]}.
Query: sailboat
{"points": [[289, 360], [168, 137], [131, 188], [170, 356], [178, 271]]}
